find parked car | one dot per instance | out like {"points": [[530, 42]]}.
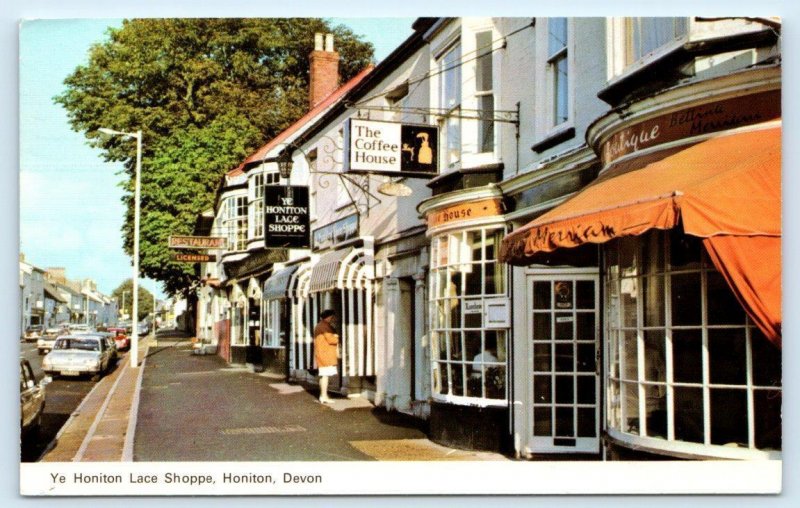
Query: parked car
{"points": [[31, 398], [121, 338], [32, 333], [77, 355], [45, 343]]}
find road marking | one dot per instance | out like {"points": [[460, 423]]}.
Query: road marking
{"points": [[263, 430]]}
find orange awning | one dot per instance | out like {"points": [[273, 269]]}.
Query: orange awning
{"points": [[726, 190]]}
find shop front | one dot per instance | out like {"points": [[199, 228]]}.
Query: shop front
{"points": [[342, 280], [469, 321], [686, 219]]}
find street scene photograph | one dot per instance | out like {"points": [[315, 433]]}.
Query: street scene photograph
{"points": [[255, 248]]}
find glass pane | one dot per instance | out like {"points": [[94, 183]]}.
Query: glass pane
{"points": [[685, 251], [542, 329], [475, 383], [560, 90], [542, 389], [628, 301], [542, 421], [541, 295], [495, 278], [767, 408], [565, 324], [587, 427], [586, 329], [486, 126], [655, 368], [565, 421], [495, 382], [557, 35], [472, 344], [613, 405], [767, 369], [565, 393], [442, 380], [656, 407], [456, 349], [688, 414], [564, 293], [729, 417], [727, 357], [584, 294], [496, 343], [473, 279], [565, 358], [455, 312], [628, 249], [586, 390], [541, 357], [473, 320], [457, 371], [723, 308], [630, 408], [442, 344], [687, 359], [630, 362], [586, 357], [653, 253], [653, 289], [686, 306]]}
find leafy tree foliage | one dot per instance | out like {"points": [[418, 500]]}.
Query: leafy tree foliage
{"points": [[126, 302], [205, 93]]}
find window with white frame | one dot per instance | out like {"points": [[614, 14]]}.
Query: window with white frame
{"points": [[236, 222], [469, 360], [258, 205], [643, 36], [271, 323], [558, 69], [484, 92], [685, 364], [450, 104]]}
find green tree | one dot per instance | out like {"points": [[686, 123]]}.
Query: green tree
{"points": [[124, 295], [205, 93]]}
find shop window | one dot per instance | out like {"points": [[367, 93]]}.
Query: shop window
{"points": [[469, 360], [686, 366]]}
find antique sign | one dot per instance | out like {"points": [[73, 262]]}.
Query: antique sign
{"points": [[192, 258], [336, 232], [286, 217], [465, 211], [391, 148]]}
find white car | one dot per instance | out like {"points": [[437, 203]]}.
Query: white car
{"points": [[77, 355]]}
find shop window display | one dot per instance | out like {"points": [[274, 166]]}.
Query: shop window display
{"points": [[684, 362], [469, 360]]}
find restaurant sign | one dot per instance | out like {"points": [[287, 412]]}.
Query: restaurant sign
{"points": [[336, 232], [286, 217], [694, 121], [391, 148], [185, 257], [197, 242]]}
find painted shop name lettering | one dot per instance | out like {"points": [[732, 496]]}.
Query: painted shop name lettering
{"points": [[368, 142], [630, 142], [455, 215], [577, 235]]}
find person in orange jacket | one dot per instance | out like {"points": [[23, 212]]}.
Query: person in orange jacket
{"points": [[326, 342]]}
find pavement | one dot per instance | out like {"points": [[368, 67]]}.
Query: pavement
{"points": [[178, 406]]}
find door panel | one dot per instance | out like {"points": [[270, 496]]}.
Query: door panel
{"points": [[564, 334]]}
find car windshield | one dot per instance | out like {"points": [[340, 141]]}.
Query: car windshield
{"points": [[77, 343]]}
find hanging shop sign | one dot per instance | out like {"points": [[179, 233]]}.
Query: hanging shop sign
{"points": [[336, 233], [391, 148], [182, 257], [197, 242], [694, 121], [465, 211], [286, 217]]}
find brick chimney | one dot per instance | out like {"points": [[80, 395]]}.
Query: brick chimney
{"points": [[324, 72]]}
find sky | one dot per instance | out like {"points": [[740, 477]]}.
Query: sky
{"points": [[70, 208]]}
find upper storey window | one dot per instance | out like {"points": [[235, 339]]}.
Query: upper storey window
{"points": [[484, 92], [643, 36], [558, 69], [450, 99]]}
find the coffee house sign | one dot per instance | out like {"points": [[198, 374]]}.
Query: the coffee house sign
{"points": [[694, 121], [391, 148]]}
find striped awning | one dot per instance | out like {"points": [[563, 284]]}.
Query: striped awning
{"points": [[275, 288], [325, 274]]}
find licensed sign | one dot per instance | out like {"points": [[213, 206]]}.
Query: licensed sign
{"points": [[286, 217], [198, 242], [391, 148], [185, 257]]}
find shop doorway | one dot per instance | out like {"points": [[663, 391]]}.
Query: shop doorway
{"points": [[564, 333]]}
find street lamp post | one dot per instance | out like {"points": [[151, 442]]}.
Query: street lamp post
{"points": [[136, 202]]}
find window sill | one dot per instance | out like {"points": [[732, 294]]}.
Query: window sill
{"points": [[554, 139]]}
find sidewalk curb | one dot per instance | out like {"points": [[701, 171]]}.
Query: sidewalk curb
{"points": [[127, 449]]}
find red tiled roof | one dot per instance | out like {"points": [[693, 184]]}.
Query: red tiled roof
{"points": [[323, 105]]}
